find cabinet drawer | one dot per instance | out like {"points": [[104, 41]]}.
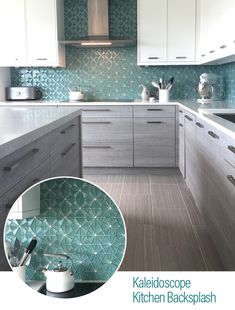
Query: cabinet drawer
{"points": [[110, 130], [221, 211], [106, 111], [7, 200], [154, 111], [16, 166], [154, 142], [65, 153], [108, 155], [227, 145], [63, 136], [66, 162]]}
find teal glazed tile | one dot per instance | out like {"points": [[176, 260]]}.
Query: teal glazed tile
{"points": [[110, 73], [84, 224]]}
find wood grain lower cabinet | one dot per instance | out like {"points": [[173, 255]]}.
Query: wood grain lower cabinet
{"points": [[65, 150], [190, 149], [210, 176], [107, 142], [220, 213], [154, 142], [182, 142]]}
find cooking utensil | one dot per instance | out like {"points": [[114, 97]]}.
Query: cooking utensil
{"points": [[28, 251], [61, 278], [170, 83], [156, 84]]}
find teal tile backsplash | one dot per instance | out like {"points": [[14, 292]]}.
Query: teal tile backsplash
{"points": [[78, 219], [228, 73], [109, 73]]}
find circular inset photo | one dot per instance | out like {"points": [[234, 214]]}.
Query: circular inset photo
{"points": [[65, 237]]}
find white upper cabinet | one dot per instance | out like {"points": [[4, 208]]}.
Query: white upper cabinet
{"points": [[166, 32], [216, 33], [12, 33], [27, 205], [30, 33], [44, 32], [181, 30], [152, 22]]}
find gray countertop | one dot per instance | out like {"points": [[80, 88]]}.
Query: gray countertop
{"points": [[202, 110], [20, 126]]}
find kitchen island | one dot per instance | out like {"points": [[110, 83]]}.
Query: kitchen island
{"points": [[35, 144]]}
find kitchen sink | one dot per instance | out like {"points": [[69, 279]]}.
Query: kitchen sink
{"points": [[227, 116]]}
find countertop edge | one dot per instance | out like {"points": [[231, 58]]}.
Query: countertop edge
{"points": [[29, 137]]}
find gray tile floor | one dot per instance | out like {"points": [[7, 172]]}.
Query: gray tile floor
{"points": [[164, 228]]}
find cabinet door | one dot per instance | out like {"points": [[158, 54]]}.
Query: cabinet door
{"points": [[181, 146], [206, 20], [12, 33], [181, 30], [154, 142], [220, 215], [107, 142], [42, 43], [65, 154], [190, 138], [152, 19]]}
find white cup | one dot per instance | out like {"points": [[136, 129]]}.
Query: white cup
{"points": [[20, 272], [163, 95], [75, 96]]}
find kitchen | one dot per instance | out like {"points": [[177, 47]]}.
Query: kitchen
{"points": [[174, 184]]}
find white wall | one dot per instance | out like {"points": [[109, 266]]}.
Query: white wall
{"points": [[4, 81]]}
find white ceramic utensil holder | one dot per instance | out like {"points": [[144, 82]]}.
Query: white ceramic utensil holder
{"points": [[163, 95], [20, 272]]}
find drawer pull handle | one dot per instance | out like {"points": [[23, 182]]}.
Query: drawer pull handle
{"points": [[97, 123], [180, 111], [231, 148], [181, 125], [203, 55], [96, 110], [155, 57], [154, 109], [199, 125], [64, 131], [213, 135], [223, 46], [188, 118], [42, 59], [154, 122], [181, 57], [21, 160], [96, 147], [231, 179], [65, 152], [211, 52]]}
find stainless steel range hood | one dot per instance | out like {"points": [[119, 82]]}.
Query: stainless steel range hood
{"points": [[98, 29]]}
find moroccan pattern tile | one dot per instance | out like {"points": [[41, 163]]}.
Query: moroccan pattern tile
{"points": [[106, 73], [78, 219]]}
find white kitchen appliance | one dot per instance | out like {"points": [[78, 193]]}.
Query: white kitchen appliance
{"points": [[61, 278]]}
